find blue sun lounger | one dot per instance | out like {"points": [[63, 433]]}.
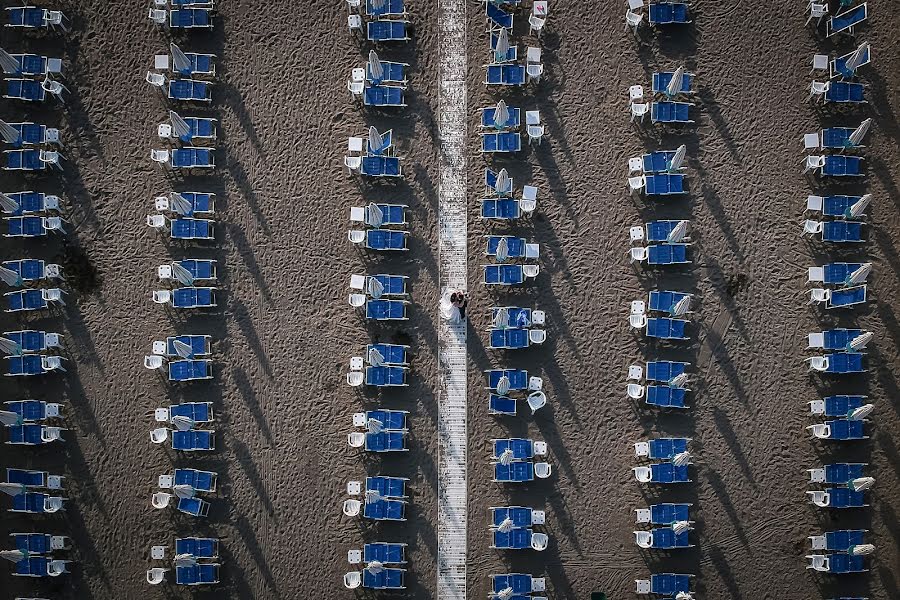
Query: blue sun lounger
{"points": [[842, 473], [516, 539], [666, 329], [521, 516], [487, 119], [837, 165], [387, 31], [199, 412], [511, 54], [386, 239], [847, 297], [198, 573], [838, 66], [505, 74], [385, 510], [665, 301], [190, 18], [192, 157], [30, 17], [846, 429], [391, 420], [664, 370], [836, 137], [845, 362], [202, 481], [382, 95], [667, 513], [520, 583], [516, 246], [25, 227], [28, 434], [386, 553], [33, 566], [667, 14], [661, 82], [834, 339], [663, 184], [521, 448], [501, 405], [665, 538], [658, 231], [23, 160], [35, 64], [394, 73], [497, 17], [193, 506], [387, 376], [24, 300], [666, 448], [386, 441], [381, 166], [190, 90], [843, 92], [197, 547], [386, 310], [392, 214], [27, 478], [669, 584], [838, 206], [669, 473], [670, 112], [516, 316], [386, 579], [390, 7], [193, 440], [518, 378], [843, 497], [192, 229], [30, 134], [201, 202], [500, 208], [32, 543], [32, 410], [194, 297], [501, 142], [667, 254], [387, 487], [842, 563], [843, 540], [28, 340], [505, 274], [32, 202], [201, 128], [392, 354], [29, 90], [665, 396], [28, 269], [847, 20], [490, 185], [198, 64], [657, 162], [394, 285], [29, 502], [199, 268], [518, 471], [190, 370], [26, 365], [841, 405], [509, 339]]}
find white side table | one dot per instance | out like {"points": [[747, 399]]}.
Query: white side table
{"points": [[532, 117], [355, 144], [636, 92], [161, 62]]}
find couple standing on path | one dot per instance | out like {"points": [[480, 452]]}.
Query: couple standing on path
{"points": [[453, 307]]}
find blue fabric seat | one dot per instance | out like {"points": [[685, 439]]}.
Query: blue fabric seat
{"points": [[663, 184]]}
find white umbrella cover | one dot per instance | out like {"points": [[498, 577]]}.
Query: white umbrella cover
{"points": [[506, 457], [9, 133], [180, 204], [10, 347], [862, 549], [502, 48], [678, 158], [503, 386], [681, 459], [183, 350], [8, 417], [374, 426], [857, 58], [860, 341], [506, 593], [859, 207], [8, 204], [860, 274], [502, 250], [862, 483], [684, 596], [8, 62], [681, 308], [501, 114], [13, 489], [503, 185], [674, 87], [376, 142], [184, 560], [9, 276], [372, 496], [679, 380], [184, 277], [375, 567], [680, 527], [374, 214], [179, 125], [182, 423], [184, 491], [506, 525], [376, 69], [858, 414], [678, 232], [13, 555], [501, 319], [376, 358], [375, 287], [179, 59], [856, 138]]}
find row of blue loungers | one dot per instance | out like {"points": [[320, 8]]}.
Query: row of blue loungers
{"points": [[188, 283], [29, 352], [841, 485], [382, 228]]}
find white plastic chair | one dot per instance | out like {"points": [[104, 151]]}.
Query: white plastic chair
{"points": [[155, 79], [160, 156], [351, 507], [53, 504], [51, 434], [817, 90], [356, 88], [355, 378], [537, 336], [356, 236], [642, 515], [643, 474], [817, 11], [644, 539], [530, 271], [819, 295], [535, 133], [353, 5], [637, 321], [353, 163], [160, 499], [352, 580], [158, 16], [53, 87], [818, 562], [635, 391], [162, 296], [159, 435], [813, 162], [812, 227], [633, 20], [156, 575], [639, 109], [542, 470], [818, 363], [636, 184], [157, 222], [356, 439], [536, 24], [50, 157], [539, 541], [819, 498], [153, 362], [57, 567], [529, 199], [820, 430], [357, 300], [536, 401]]}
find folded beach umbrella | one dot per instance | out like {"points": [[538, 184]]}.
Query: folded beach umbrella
{"points": [[503, 386], [181, 349], [375, 287], [9, 276], [179, 125], [184, 277], [182, 423], [677, 158], [8, 62], [501, 319], [860, 341], [862, 549], [10, 347], [179, 59], [678, 232], [14, 555], [501, 115], [507, 592], [679, 380], [376, 69], [856, 138], [376, 141], [506, 457], [684, 596], [8, 417], [374, 426], [681, 459], [674, 87], [860, 413], [375, 567], [180, 204], [859, 207], [184, 560], [373, 496], [681, 307], [184, 491], [860, 274], [10, 134], [8, 204], [862, 483], [375, 215], [506, 525], [503, 185], [680, 527], [502, 250], [376, 358], [857, 58], [501, 50], [13, 489]]}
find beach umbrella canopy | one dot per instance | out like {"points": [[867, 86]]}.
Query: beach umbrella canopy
{"points": [[507, 592], [374, 426], [181, 349], [376, 288], [375, 567], [858, 57], [179, 59], [678, 158], [184, 560], [376, 69], [14, 555], [675, 83], [373, 496], [184, 491], [501, 50], [10, 134], [501, 116], [376, 358], [8, 62], [858, 414], [503, 386], [501, 319], [862, 483], [678, 232], [182, 423], [862, 549], [679, 380], [522, 319], [681, 459], [179, 125], [503, 185], [13, 489], [859, 207], [375, 215], [506, 457], [680, 527], [180, 204], [184, 277], [860, 274], [684, 596], [681, 308], [860, 341], [10, 347], [502, 250], [9, 276], [856, 138], [506, 525], [376, 141], [8, 417], [8, 204]]}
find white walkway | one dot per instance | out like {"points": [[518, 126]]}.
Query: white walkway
{"points": [[451, 575]]}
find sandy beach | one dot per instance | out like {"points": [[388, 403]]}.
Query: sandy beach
{"points": [[283, 331]]}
